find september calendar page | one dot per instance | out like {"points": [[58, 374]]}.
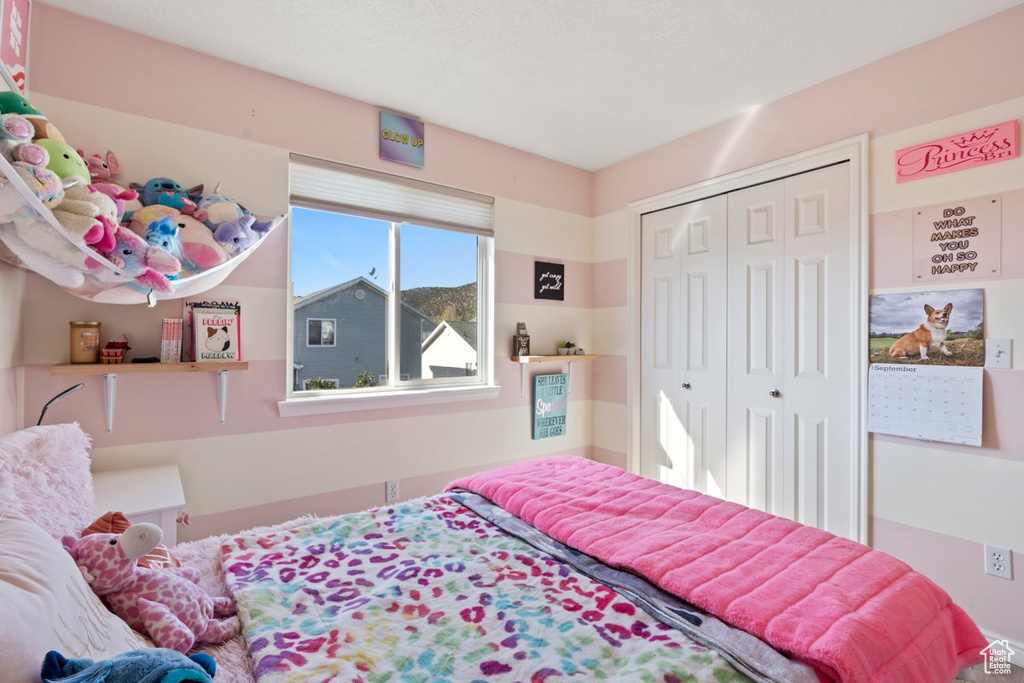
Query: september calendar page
{"points": [[926, 377], [925, 402]]}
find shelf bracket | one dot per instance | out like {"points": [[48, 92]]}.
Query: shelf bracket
{"points": [[568, 378], [109, 394], [151, 298], [222, 393]]}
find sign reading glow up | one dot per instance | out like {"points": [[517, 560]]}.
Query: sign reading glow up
{"points": [[401, 139]]}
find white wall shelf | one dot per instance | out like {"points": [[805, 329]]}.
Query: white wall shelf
{"points": [[17, 202], [568, 359], [109, 372]]}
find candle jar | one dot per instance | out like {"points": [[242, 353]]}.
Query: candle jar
{"points": [[85, 342]]}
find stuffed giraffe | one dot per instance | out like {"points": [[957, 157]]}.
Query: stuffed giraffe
{"points": [[166, 604]]}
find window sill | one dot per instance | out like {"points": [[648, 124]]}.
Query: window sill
{"points": [[322, 405]]}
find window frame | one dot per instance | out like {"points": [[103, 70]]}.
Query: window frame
{"points": [[399, 392], [333, 344]]}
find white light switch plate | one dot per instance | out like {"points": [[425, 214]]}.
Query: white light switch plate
{"points": [[998, 353]]}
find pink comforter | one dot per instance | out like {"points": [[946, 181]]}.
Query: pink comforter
{"points": [[854, 613]]}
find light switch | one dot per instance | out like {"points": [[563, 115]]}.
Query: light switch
{"points": [[998, 353]]}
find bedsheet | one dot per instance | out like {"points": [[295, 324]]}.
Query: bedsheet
{"points": [[430, 591], [854, 613]]}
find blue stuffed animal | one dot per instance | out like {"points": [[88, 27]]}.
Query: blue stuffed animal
{"points": [[157, 665], [163, 234], [167, 192]]}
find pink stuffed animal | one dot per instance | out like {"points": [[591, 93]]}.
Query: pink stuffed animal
{"points": [[100, 169], [101, 175], [166, 604], [139, 261]]}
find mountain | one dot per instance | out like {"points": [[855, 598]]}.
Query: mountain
{"points": [[444, 303]]}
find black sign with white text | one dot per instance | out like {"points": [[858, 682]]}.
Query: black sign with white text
{"points": [[549, 281]]}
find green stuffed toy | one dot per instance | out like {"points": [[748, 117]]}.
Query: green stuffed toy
{"points": [[13, 103], [64, 160]]}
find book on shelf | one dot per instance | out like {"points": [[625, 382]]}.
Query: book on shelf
{"points": [[216, 334], [229, 313], [170, 340]]}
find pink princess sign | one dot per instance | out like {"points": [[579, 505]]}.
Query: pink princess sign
{"points": [[967, 150]]}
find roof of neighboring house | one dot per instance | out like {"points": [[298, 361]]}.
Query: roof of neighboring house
{"points": [[465, 329], [319, 295]]}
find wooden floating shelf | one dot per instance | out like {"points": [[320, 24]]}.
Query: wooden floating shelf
{"points": [[553, 359], [65, 369]]}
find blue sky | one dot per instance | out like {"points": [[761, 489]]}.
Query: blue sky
{"points": [[331, 248]]}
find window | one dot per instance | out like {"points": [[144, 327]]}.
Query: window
{"points": [[391, 284], [320, 331]]}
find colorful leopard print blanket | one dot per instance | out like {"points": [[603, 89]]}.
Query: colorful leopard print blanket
{"points": [[430, 591]]}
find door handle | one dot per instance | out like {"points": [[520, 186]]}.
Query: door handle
{"points": [[775, 393], [685, 385]]}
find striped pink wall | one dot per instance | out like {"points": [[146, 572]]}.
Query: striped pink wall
{"points": [[152, 414], [892, 248], [950, 74], [955, 564], [333, 503], [203, 92], [142, 414]]}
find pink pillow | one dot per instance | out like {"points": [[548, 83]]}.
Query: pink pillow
{"points": [[44, 474]]}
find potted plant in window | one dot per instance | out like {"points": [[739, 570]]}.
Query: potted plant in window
{"points": [[565, 348]]}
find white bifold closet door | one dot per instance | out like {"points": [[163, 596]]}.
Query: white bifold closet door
{"points": [[756, 330], [683, 298]]}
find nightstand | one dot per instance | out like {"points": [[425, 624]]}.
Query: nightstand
{"points": [[145, 494]]}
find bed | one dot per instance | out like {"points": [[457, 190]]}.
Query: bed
{"points": [[543, 571]]}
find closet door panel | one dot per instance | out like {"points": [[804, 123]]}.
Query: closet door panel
{"points": [[754, 346], [683, 280], [661, 241], [818, 465]]}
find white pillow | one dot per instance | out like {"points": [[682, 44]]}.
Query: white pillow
{"points": [[46, 605]]}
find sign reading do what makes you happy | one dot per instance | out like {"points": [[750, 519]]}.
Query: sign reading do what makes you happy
{"points": [[958, 240]]}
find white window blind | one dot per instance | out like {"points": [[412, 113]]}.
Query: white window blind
{"points": [[330, 186]]}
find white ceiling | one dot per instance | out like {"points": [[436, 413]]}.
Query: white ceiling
{"points": [[585, 82]]}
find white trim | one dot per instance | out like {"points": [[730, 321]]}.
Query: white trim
{"points": [[855, 151], [322, 405]]}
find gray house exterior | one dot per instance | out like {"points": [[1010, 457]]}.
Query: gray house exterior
{"points": [[341, 331]]}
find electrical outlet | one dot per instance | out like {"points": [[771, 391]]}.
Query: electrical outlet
{"points": [[998, 562], [391, 491]]}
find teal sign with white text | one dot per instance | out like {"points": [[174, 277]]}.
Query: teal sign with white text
{"points": [[550, 400], [401, 139]]}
